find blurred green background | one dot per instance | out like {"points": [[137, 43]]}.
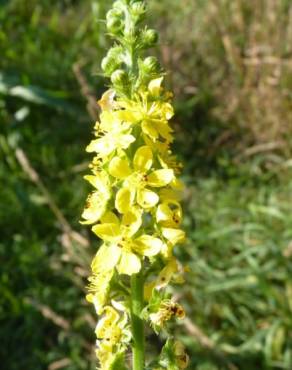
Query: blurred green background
{"points": [[229, 63]]}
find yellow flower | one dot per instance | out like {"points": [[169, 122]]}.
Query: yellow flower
{"points": [[172, 271], [151, 113], [169, 213], [121, 248], [99, 289], [105, 355], [97, 201], [169, 216], [173, 236], [113, 134], [164, 154], [118, 138], [108, 328], [153, 118], [138, 179], [109, 331]]}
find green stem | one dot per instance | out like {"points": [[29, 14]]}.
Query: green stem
{"points": [[137, 293]]}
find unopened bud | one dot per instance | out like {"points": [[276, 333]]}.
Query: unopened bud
{"points": [[149, 38], [115, 20], [114, 25], [138, 10], [119, 77], [118, 4], [108, 66], [150, 65], [112, 61], [114, 13]]}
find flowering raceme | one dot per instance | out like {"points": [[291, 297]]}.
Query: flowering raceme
{"points": [[134, 206]]}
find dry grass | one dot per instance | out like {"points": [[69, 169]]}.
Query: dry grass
{"points": [[241, 52]]}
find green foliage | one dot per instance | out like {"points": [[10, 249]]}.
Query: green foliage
{"points": [[229, 96], [44, 318], [239, 287]]}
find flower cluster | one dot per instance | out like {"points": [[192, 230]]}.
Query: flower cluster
{"points": [[134, 206]]}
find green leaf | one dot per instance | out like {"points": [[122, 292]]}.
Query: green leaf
{"points": [[34, 94]]}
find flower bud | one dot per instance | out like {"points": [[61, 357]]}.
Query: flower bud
{"points": [[114, 25], [112, 61], [118, 4], [149, 38], [105, 64], [108, 65], [114, 13], [138, 10], [119, 78], [115, 21], [150, 66]]}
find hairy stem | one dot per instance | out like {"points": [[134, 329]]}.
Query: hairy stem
{"points": [[137, 287]]}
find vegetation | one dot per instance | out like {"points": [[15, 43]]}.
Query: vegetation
{"points": [[229, 63]]}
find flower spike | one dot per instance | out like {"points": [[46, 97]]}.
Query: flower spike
{"points": [[134, 206]]}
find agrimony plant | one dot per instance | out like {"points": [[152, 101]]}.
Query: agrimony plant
{"points": [[134, 206]]}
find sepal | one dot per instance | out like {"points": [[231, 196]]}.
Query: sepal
{"points": [[118, 362], [173, 356]]}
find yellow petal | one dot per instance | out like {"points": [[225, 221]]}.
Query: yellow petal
{"points": [[163, 213], [147, 198], [132, 221], [167, 194], [174, 236], [177, 184], [149, 129], [100, 181], [129, 263], [103, 146], [126, 140], [160, 178], [111, 315], [119, 168], [107, 100], [167, 110], [148, 287], [127, 116], [95, 208], [124, 199], [143, 159], [98, 300], [166, 274], [147, 245], [106, 258], [167, 250], [107, 121], [154, 86], [164, 130], [107, 232], [109, 218]]}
